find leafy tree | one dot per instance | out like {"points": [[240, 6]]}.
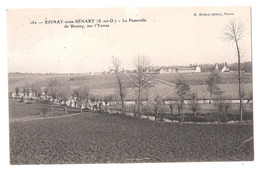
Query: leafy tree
{"points": [[83, 94], [227, 106], [17, 91], [223, 105], [159, 107], [194, 104], [218, 104], [36, 90], [64, 93], [182, 91], [53, 90], [212, 81]]}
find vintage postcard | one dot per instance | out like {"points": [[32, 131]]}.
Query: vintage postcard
{"points": [[130, 85]]}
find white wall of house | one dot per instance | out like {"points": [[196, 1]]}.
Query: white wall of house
{"points": [[198, 69], [169, 70], [225, 69]]}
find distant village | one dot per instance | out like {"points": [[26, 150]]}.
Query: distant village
{"points": [[170, 69], [221, 67]]}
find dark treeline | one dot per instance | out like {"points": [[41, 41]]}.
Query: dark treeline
{"points": [[246, 67]]}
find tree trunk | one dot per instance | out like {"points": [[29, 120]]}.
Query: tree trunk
{"points": [[226, 115], [123, 106], [139, 101], [194, 113], [65, 108], [52, 106], [219, 117], [239, 84], [121, 93], [181, 111]]}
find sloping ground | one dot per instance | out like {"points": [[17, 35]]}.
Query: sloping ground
{"points": [[102, 85], [200, 78], [230, 91], [22, 81], [99, 138], [21, 110]]}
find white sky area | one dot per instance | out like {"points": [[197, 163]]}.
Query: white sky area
{"points": [[171, 36]]}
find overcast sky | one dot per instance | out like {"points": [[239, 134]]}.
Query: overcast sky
{"points": [[170, 36]]}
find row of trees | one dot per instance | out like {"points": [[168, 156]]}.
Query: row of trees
{"points": [[142, 80], [234, 32]]}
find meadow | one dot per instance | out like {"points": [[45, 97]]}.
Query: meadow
{"points": [[163, 84], [21, 110]]}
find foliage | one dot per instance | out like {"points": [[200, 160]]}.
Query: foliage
{"points": [[54, 88], [182, 91], [182, 88], [212, 81], [194, 104], [17, 90], [36, 89], [222, 105]]}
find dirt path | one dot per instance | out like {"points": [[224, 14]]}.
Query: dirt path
{"points": [[26, 119], [164, 82]]}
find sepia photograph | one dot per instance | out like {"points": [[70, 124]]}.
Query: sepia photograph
{"points": [[130, 85]]}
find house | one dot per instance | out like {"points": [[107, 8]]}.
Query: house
{"points": [[190, 69], [222, 68], [168, 70], [165, 70], [27, 95], [225, 68]]}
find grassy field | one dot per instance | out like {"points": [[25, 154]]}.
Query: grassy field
{"points": [[100, 138], [19, 110], [200, 78], [101, 85]]}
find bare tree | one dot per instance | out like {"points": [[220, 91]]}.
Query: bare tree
{"points": [[194, 104], [182, 91], [122, 91], [142, 78], [212, 81], [234, 32]]}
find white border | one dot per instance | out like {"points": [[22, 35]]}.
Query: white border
{"points": [[14, 4]]}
